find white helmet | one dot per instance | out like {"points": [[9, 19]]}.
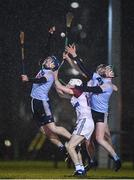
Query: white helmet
{"points": [[75, 82]]}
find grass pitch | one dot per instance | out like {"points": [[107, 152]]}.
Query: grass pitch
{"points": [[46, 170]]}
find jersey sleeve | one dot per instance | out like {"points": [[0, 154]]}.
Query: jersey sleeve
{"points": [[83, 68], [42, 77], [38, 80], [93, 89]]}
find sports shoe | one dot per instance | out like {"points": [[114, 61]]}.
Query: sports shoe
{"points": [[79, 173], [117, 165], [91, 165]]}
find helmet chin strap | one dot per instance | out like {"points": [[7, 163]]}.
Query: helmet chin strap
{"points": [[104, 76], [108, 76]]}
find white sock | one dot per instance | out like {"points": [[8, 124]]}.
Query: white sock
{"points": [[60, 145], [82, 167], [78, 167], [116, 157]]}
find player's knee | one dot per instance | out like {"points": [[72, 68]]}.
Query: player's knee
{"points": [[53, 129], [70, 146]]}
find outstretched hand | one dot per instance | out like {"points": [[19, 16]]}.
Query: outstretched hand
{"points": [[24, 78], [71, 49], [65, 56]]}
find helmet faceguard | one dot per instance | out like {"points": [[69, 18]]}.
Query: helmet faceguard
{"points": [[105, 71], [101, 70], [75, 82], [56, 63], [51, 62], [109, 71]]}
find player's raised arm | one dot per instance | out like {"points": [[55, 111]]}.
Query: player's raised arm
{"points": [[49, 42], [72, 63], [71, 50], [61, 88], [97, 89], [93, 89]]}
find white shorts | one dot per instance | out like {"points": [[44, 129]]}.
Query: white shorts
{"points": [[84, 127]]}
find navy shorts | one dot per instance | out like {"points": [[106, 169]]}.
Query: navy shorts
{"points": [[99, 116], [42, 112]]}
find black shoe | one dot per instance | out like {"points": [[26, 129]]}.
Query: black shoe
{"points": [[91, 165], [117, 165], [79, 173]]}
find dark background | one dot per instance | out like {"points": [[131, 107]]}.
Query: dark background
{"points": [[35, 18]]}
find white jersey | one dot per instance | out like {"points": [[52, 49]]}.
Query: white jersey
{"points": [[40, 91], [84, 124], [99, 102]]}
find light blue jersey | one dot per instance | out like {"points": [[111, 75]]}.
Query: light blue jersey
{"points": [[40, 91], [99, 102]]}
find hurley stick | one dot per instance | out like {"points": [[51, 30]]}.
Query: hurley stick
{"points": [[69, 18], [22, 51]]}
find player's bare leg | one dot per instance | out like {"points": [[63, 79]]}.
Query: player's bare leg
{"points": [[108, 135], [100, 134], [71, 148], [91, 151], [58, 130], [80, 160], [90, 147], [52, 137]]}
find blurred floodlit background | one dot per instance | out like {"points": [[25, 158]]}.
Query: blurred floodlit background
{"points": [[19, 135]]}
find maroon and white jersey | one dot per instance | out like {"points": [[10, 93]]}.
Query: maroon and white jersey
{"points": [[84, 124], [81, 106]]}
